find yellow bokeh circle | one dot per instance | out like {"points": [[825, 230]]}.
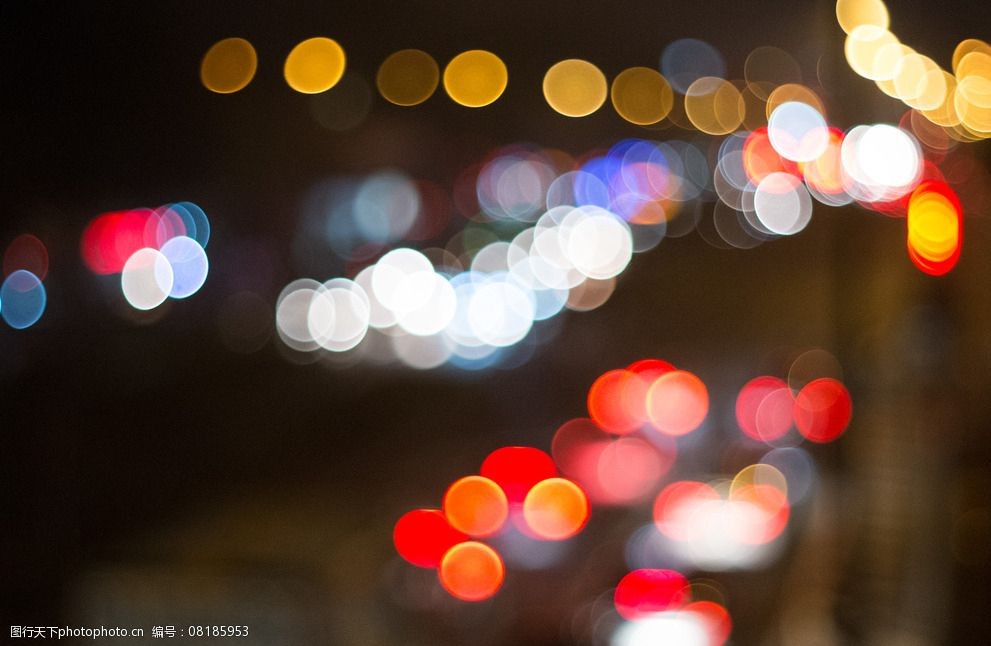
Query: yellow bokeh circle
{"points": [[575, 88], [854, 13], [408, 77], [228, 66], [475, 78], [641, 95], [315, 65], [714, 105]]}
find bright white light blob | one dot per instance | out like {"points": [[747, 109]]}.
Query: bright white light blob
{"points": [[881, 163], [189, 265], [398, 280], [379, 316], [717, 535], [599, 244], [292, 314], [669, 627], [889, 156], [338, 315], [146, 279], [798, 132], [500, 312], [782, 204], [434, 311]]}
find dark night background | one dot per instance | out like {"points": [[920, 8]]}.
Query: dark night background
{"points": [[153, 476]]}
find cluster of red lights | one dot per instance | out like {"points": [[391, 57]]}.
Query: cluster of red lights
{"points": [[627, 444], [645, 592], [518, 485], [619, 455], [767, 408], [110, 239]]}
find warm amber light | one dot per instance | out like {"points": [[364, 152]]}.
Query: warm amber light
{"points": [[471, 571], [314, 65], [476, 506], [641, 95], [475, 78], [794, 92], [677, 402], [575, 88], [555, 509], [853, 13], [408, 77], [228, 66], [714, 105]]}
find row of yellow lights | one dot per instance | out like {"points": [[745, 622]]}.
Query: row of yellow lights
{"points": [[959, 102], [476, 78]]}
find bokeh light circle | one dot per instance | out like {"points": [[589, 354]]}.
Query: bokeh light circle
{"points": [[517, 469], [647, 591], [22, 299], [471, 571], [475, 78], [798, 132], [26, 251], [476, 506], [575, 88], [853, 13], [764, 408], [823, 410], [641, 95], [714, 106], [189, 265], [782, 204], [146, 279], [423, 536], [616, 401], [314, 65], [677, 402], [555, 509], [408, 77], [228, 66]]}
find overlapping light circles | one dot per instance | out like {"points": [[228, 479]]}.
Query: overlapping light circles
{"points": [[523, 499], [575, 88], [333, 315], [228, 66], [782, 204], [314, 65], [710, 528], [935, 228], [687, 60], [475, 78], [768, 407], [699, 623], [641, 96], [23, 297], [519, 495], [492, 305], [146, 279], [883, 162], [957, 102], [658, 608], [714, 105], [159, 253], [798, 132]]}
